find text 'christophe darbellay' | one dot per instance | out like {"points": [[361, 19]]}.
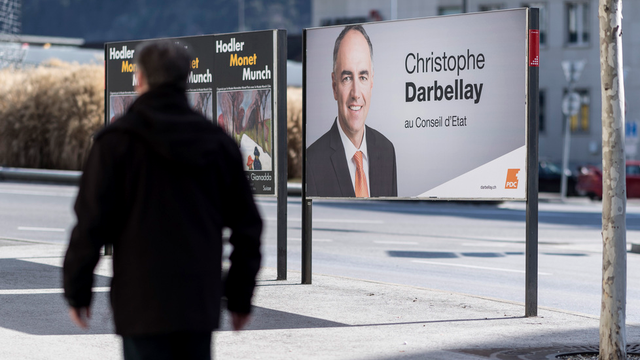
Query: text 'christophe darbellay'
{"points": [[247, 61], [460, 89]]}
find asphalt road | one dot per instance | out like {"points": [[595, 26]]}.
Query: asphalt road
{"points": [[468, 248], [36, 212]]}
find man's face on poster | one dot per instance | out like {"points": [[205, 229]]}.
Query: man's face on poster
{"points": [[352, 81]]}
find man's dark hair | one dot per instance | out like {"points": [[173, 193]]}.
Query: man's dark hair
{"points": [[163, 62], [344, 32]]}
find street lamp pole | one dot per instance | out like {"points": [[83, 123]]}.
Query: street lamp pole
{"points": [[570, 107], [567, 145]]}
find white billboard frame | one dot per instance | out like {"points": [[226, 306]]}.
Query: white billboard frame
{"points": [[495, 169]]}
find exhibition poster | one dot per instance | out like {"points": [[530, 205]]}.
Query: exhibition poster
{"points": [[231, 82]]}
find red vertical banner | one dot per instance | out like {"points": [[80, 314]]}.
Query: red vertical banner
{"points": [[534, 48]]}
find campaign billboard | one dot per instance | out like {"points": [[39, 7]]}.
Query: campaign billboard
{"points": [[432, 108], [232, 82]]}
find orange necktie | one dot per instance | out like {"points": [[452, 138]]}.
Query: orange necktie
{"points": [[361, 178]]}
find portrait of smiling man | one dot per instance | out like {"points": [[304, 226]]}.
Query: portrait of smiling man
{"points": [[352, 159]]}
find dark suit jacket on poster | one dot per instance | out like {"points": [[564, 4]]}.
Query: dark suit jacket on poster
{"points": [[328, 172]]}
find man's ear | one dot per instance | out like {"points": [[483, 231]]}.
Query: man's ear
{"points": [[142, 85], [334, 85]]}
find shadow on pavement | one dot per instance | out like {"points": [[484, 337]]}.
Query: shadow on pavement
{"points": [[47, 314], [426, 322], [518, 347], [21, 274], [25, 309], [268, 319]]}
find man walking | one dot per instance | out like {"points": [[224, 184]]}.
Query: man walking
{"points": [[160, 184]]}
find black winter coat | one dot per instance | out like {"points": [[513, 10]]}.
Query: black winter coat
{"points": [[160, 184]]}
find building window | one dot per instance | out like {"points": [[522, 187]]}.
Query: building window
{"points": [[489, 7], [579, 123], [542, 108], [543, 19], [577, 23], [449, 10]]}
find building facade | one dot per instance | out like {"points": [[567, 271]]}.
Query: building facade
{"points": [[569, 30]]}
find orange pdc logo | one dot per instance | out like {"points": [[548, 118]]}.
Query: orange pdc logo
{"points": [[512, 179]]}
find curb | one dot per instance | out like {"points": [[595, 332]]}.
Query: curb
{"points": [[56, 176]]}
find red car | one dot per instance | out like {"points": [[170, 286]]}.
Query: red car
{"points": [[590, 180]]}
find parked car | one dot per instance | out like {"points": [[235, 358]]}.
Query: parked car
{"points": [[590, 180], [550, 177]]}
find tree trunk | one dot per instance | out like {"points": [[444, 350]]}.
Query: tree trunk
{"points": [[614, 194]]}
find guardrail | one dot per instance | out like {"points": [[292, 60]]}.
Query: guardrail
{"points": [[55, 176], [73, 177]]}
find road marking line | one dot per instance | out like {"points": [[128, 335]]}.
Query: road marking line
{"points": [[44, 291], [335, 220], [396, 242], [348, 221], [484, 245], [36, 193], [494, 239], [474, 267], [276, 204], [28, 228], [313, 239]]}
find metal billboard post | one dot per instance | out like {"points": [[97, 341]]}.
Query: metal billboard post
{"points": [[108, 248], [307, 228], [280, 52], [531, 271], [307, 204]]}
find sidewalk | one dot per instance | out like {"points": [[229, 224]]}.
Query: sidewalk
{"points": [[334, 318]]}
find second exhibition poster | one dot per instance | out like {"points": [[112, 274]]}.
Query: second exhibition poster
{"points": [[231, 82]]}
